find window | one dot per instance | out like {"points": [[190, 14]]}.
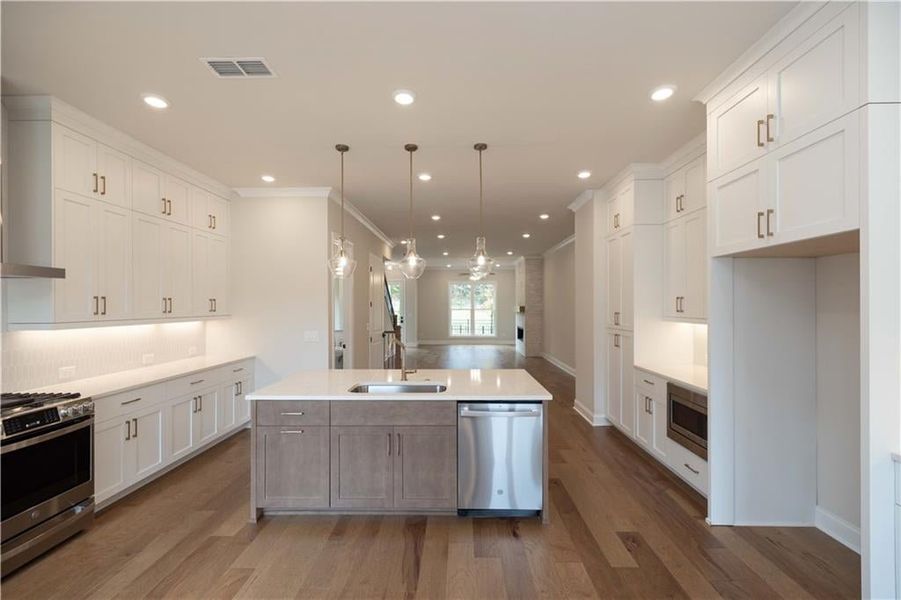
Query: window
{"points": [[473, 309]]}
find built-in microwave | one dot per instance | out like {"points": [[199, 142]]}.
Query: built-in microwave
{"points": [[686, 419]]}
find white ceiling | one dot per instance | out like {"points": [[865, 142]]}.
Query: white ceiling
{"points": [[552, 88]]}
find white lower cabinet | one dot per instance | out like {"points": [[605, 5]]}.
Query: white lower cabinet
{"points": [[144, 430], [620, 381], [650, 408]]}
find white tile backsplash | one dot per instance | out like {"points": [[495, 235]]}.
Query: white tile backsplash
{"points": [[38, 358]]}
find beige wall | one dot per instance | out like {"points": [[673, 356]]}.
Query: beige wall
{"points": [[560, 304], [434, 311], [584, 302], [279, 286], [364, 243]]}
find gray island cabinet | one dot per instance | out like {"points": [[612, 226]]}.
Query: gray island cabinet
{"points": [[319, 448]]}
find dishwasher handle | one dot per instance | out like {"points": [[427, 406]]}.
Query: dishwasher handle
{"points": [[466, 412]]}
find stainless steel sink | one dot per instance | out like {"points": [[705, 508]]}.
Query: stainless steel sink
{"points": [[415, 387]]}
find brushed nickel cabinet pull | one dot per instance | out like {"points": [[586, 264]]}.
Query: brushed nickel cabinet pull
{"points": [[214, 221], [759, 230], [198, 381], [135, 421], [96, 307], [293, 414], [650, 406], [170, 305], [215, 305], [131, 401], [103, 185], [291, 431], [169, 210], [616, 340], [164, 206], [95, 183], [127, 429], [240, 387], [769, 132], [209, 221], [648, 382], [769, 213], [689, 467], [238, 370], [200, 400], [676, 300], [398, 444], [760, 124], [103, 301], [389, 445]]}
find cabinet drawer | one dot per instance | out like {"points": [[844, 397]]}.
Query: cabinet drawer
{"points": [[292, 412], [128, 402], [689, 466], [653, 385], [352, 412], [192, 383], [235, 372]]}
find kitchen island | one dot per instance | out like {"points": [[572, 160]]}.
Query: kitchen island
{"points": [[391, 446]]}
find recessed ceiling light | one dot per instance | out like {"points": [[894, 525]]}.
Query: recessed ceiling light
{"points": [[404, 97], [404, 242], [526, 235], [662, 93], [584, 174], [509, 252], [436, 217], [444, 253], [544, 216], [267, 178], [425, 177], [440, 236], [154, 101], [448, 266]]}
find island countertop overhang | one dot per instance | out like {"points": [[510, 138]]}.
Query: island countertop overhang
{"points": [[467, 385]]}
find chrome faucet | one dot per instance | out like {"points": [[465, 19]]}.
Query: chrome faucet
{"points": [[403, 362]]}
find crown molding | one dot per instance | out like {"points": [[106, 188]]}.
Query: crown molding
{"points": [[689, 151], [355, 212], [581, 200], [50, 108], [284, 192], [559, 245], [778, 32]]}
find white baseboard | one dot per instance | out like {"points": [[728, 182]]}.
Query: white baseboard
{"points": [[593, 420], [837, 528], [466, 342], [559, 363]]}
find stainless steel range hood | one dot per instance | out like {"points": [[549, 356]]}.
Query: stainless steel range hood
{"points": [[12, 270]]}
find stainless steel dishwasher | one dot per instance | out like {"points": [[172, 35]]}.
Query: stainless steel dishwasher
{"points": [[499, 458]]}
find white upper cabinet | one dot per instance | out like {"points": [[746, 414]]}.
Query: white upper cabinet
{"points": [[686, 189], [627, 281], [737, 129], [114, 215], [738, 207], [614, 281], [673, 267], [685, 267]]}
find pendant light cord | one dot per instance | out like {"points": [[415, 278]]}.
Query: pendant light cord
{"points": [[411, 195], [481, 209], [342, 197]]}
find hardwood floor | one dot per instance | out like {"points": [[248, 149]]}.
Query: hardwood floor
{"points": [[622, 527]]}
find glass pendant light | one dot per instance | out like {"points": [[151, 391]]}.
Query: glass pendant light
{"points": [[341, 264], [412, 265], [480, 265]]}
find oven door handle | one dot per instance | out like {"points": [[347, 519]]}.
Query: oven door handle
{"points": [[88, 422]]}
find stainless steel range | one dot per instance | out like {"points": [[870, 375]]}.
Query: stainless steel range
{"points": [[46, 473]]}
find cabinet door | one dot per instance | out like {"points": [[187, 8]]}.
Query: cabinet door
{"points": [[114, 170], [292, 467], [614, 281], [114, 261], [737, 138], [362, 466], [228, 397], [217, 273], [673, 266], [201, 296], [627, 378], [75, 249], [694, 295], [147, 441], [673, 188], [627, 279], [181, 426], [177, 194], [219, 210], [242, 405], [613, 215], [644, 423], [658, 418], [147, 266], [206, 419], [614, 378], [425, 467], [109, 458], [815, 183], [738, 209], [626, 202], [816, 82], [147, 189], [201, 218], [695, 189], [177, 269], [74, 162]]}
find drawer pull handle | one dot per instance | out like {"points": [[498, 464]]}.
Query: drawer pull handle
{"points": [[689, 467], [198, 381], [138, 399], [292, 414], [291, 431], [648, 382], [238, 370]]}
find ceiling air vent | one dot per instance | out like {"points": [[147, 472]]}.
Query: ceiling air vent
{"points": [[229, 68]]}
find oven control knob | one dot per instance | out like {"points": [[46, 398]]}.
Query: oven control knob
{"points": [[63, 412], [75, 410], [88, 407]]}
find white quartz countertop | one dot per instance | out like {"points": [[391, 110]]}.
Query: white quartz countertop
{"points": [[123, 381], [693, 377], [501, 385]]}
